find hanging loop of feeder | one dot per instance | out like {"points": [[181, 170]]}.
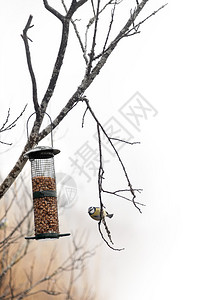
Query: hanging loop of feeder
{"points": [[50, 123], [44, 190]]}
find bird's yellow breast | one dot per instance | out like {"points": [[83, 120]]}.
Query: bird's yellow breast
{"points": [[96, 214]]}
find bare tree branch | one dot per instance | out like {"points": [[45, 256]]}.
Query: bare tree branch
{"points": [[57, 65], [100, 178], [13, 123], [74, 6], [135, 28], [62, 49], [5, 143], [118, 194], [92, 51], [53, 11], [6, 126], [77, 34], [131, 190], [29, 63], [110, 26]]}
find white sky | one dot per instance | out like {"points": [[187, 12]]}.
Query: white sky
{"points": [[161, 260]]}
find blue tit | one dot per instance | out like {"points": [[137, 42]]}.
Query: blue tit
{"points": [[94, 213]]}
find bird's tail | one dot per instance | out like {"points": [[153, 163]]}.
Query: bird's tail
{"points": [[109, 215]]}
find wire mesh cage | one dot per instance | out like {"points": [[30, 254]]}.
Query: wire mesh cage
{"points": [[44, 192]]}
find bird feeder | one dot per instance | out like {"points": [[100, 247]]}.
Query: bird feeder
{"points": [[44, 192]]}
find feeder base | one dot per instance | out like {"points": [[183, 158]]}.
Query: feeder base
{"points": [[46, 236]]}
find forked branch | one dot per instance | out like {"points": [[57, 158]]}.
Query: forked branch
{"points": [[130, 188], [29, 63], [8, 126]]}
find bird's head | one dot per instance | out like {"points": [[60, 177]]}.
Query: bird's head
{"points": [[91, 210]]}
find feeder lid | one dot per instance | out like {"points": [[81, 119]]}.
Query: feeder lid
{"points": [[41, 152]]}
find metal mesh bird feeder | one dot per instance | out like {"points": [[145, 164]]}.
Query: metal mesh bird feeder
{"points": [[44, 191]]}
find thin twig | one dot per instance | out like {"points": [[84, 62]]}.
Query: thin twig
{"points": [[115, 193], [100, 177], [5, 143], [92, 51], [83, 118], [80, 41], [136, 27], [116, 249], [5, 127], [110, 25], [13, 123], [6, 121], [123, 141], [126, 31]]}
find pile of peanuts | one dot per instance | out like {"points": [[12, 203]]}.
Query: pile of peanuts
{"points": [[45, 208]]}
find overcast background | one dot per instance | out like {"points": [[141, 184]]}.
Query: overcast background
{"points": [[161, 256]]}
